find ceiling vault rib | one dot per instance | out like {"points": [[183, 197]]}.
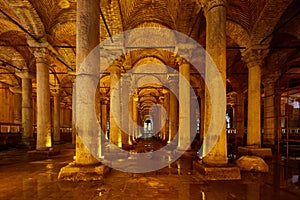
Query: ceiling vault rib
{"points": [[106, 26], [4, 62], [19, 25], [280, 27]]}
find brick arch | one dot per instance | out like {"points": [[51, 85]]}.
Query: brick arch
{"points": [[238, 34], [27, 16]]}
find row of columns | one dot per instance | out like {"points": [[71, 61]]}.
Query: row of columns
{"points": [[24, 107]]}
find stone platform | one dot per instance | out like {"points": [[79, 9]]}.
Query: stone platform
{"points": [[73, 172], [229, 172], [255, 151]]}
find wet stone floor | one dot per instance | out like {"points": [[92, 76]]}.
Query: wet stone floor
{"points": [[26, 177]]}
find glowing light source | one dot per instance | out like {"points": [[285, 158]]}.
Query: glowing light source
{"points": [[64, 4]]}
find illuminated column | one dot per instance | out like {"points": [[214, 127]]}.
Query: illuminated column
{"points": [[167, 108], [173, 120], [56, 116], [215, 12], [115, 110], [254, 58], [87, 38], [17, 104], [104, 116], [240, 118], [184, 105], [269, 111], [42, 56], [73, 109], [202, 113], [27, 111], [125, 109], [135, 115]]}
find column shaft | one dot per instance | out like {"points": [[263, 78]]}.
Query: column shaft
{"points": [[56, 118], [184, 107], [216, 48], [269, 114], [254, 107], [27, 112], [43, 100], [87, 38], [240, 118], [115, 110]]}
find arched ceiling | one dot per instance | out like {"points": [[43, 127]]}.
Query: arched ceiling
{"points": [[249, 22]]}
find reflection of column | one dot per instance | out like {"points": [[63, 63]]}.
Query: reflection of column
{"points": [[27, 111], [254, 58], [56, 117], [115, 110], [240, 118], [43, 99], [215, 12], [184, 105], [173, 122], [269, 111]]}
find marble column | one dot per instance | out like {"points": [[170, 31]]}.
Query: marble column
{"points": [[167, 118], [104, 117], [42, 56], [56, 117], [17, 105], [202, 113], [184, 105], [125, 88], [254, 58], [173, 116], [240, 118], [215, 12], [269, 111], [27, 111], [135, 116], [115, 109], [87, 38]]}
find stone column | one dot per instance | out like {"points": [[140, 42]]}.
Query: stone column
{"points": [[240, 118], [167, 108], [115, 109], [56, 116], [254, 58], [104, 116], [135, 116], [184, 105], [86, 166], [269, 111], [27, 111], [17, 105], [125, 88], [202, 114], [215, 12], [42, 56], [73, 110], [173, 116]]}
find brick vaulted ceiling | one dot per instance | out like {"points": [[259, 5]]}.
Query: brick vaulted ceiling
{"points": [[249, 22]]}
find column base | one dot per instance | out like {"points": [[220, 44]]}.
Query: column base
{"points": [[72, 172], [27, 143], [255, 151], [228, 172]]}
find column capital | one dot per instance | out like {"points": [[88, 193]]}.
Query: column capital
{"points": [[270, 79], [25, 74], [209, 4], [41, 54], [116, 65], [255, 55]]}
